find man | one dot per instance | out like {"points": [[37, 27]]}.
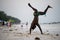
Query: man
{"points": [[35, 20]]}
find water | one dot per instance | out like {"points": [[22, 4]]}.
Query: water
{"points": [[51, 28], [46, 28]]}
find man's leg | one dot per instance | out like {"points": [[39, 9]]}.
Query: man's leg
{"points": [[40, 28]]}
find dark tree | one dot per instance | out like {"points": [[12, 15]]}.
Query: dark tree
{"points": [[5, 17]]}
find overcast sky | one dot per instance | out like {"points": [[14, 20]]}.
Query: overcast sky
{"points": [[21, 10]]}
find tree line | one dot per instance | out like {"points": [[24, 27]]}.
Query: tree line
{"points": [[5, 17]]}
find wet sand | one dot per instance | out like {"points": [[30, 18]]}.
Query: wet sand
{"points": [[16, 32]]}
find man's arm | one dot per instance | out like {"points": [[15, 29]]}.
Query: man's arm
{"points": [[32, 7]]}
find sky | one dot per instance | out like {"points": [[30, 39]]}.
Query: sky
{"points": [[21, 10]]}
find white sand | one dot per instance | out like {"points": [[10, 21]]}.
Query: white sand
{"points": [[21, 33]]}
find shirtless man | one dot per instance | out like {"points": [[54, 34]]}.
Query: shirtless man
{"points": [[35, 20]]}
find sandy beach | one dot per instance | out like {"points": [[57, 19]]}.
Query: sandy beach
{"points": [[16, 32]]}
